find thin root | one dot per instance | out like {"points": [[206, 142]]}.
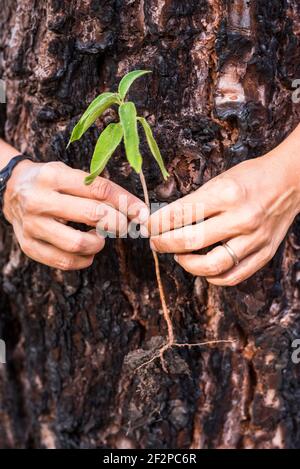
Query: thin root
{"points": [[167, 346]]}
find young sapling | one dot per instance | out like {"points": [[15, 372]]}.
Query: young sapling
{"points": [[110, 138]]}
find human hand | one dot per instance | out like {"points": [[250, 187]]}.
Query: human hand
{"points": [[40, 198], [250, 206]]}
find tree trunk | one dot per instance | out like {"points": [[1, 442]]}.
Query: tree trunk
{"points": [[220, 92]]}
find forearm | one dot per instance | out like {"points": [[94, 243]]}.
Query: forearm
{"points": [[7, 152], [287, 157]]}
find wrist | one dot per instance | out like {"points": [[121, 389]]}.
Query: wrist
{"points": [[285, 158], [7, 152], [7, 177], [18, 169]]}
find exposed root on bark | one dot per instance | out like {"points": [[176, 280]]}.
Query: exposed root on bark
{"points": [[167, 346], [166, 313]]}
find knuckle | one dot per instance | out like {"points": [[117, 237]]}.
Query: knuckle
{"points": [[232, 191], [176, 214], [252, 220], [27, 200], [246, 223], [93, 213], [42, 174], [190, 241], [214, 268], [267, 253], [65, 263], [78, 244], [56, 165], [101, 189], [232, 281], [27, 226], [263, 237], [25, 246], [46, 171]]}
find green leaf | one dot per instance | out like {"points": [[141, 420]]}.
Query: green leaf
{"points": [[128, 79], [127, 113], [95, 109], [107, 143], [153, 146]]}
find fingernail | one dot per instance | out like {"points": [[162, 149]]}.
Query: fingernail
{"points": [[143, 215], [176, 258]]}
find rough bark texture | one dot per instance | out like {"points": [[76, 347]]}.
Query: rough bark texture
{"points": [[220, 93]]}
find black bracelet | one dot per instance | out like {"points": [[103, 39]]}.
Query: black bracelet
{"points": [[5, 174]]}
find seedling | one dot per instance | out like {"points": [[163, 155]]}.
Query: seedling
{"points": [[108, 141]]}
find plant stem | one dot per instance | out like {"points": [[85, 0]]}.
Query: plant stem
{"points": [[166, 312]]}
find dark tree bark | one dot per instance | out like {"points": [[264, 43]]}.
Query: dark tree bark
{"points": [[220, 92]]}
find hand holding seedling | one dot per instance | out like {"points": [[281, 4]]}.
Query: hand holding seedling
{"points": [[251, 207], [41, 198]]}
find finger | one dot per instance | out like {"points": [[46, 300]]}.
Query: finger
{"points": [[112, 222], [218, 260], [49, 255], [64, 237], [71, 181], [248, 267], [81, 210], [192, 208], [194, 237]]}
